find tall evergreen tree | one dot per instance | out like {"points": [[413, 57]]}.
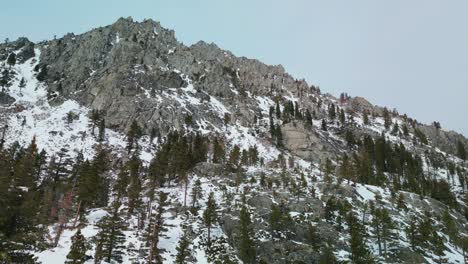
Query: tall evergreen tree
{"points": [[134, 188], [102, 130], [183, 251], [360, 254], [197, 193], [210, 215], [11, 60], [219, 152], [461, 150], [77, 254], [133, 135], [22, 84], [247, 252], [365, 118], [155, 228], [387, 118], [110, 238], [324, 125]]}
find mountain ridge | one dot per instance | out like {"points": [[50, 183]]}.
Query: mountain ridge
{"points": [[296, 168]]}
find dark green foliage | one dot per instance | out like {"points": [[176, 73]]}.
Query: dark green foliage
{"points": [[345, 170], [219, 152], [209, 215], [387, 118], [278, 110], [77, 254], [383, 228], [342, 117], [331, 111], [110, 238], [176, 156], [197, 193], [360, 254], [5, 80], [102, 130], [421, 136], [327, 256], [155, 229], [365, 118], [313, 237], [324, 125], [22, 84], [134, 188], [95, 116], [92, 181], [461, 151], [133, 135], [19, 205], [450, 227], [279, 218], [247, 252], [349, 137], [11, 60], [234, 157], [308, 118], [183, 251], [279, 136]]}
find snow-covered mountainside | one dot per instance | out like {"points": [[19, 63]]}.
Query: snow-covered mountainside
{"points": [[122, 145]]}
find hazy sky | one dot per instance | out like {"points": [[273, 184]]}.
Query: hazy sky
{"points": [[411, 55]]}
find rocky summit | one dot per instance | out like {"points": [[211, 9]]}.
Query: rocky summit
{"points": [[123, 145]]}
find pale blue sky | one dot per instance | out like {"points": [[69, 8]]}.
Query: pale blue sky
{"points": [[412, 55]]}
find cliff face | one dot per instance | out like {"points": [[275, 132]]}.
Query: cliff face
{"points": [[134, 70]]}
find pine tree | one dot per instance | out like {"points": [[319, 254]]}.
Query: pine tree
{"points": [[134, 188], [365, 118], [464, 246], [94, 117], [219, 152], [210, 215], [197, 193], [102, 130], [383, 225], [234, 157], [450, 227], [324, 125], [155, 228], [22, 84], [110, 238], [5, 80], [11, 59], [308, 118], [133, 135], [247, 252], [342, 117], [183, 252], [313, 237], [387, 118], [278, 110], [411, 233], [360, 254], [279, 136], [92, 183], [327, 256], [346, 170], [331, 112], [77, 254], [461, 150]]}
